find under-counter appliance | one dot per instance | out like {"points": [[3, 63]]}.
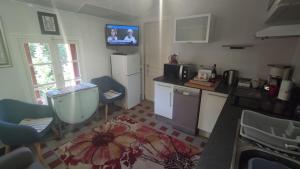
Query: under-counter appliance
{"points": [[185, 109], [182, 72], [126, 70]]}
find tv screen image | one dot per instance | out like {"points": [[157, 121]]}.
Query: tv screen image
{"points": [[125, 35]]}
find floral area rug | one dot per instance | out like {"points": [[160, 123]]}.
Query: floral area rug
{"points": [[124, 143]]}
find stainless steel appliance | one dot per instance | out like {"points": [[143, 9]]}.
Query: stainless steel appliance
{"points": [[204, 74], [185, 109], [276, 75], [182, 72], [230, 76], [280, 71]]}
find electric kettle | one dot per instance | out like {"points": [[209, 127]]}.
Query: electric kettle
{"points": [[230, 76]]}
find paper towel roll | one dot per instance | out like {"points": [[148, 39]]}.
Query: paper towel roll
{"points": [[285, 90]]}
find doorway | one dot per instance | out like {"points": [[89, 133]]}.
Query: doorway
{"points": [[156, 53]]}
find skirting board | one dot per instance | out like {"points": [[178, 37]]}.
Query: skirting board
{"points": [[203, 133]]}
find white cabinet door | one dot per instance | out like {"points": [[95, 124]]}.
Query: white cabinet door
{"points": [[193, 29], [163, 100], [211, 106], [133, 90]]}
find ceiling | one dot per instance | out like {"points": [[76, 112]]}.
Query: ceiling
{"points": [[123, 10]]}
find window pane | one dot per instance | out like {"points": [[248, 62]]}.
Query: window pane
{"points": [[40, 93], [44, 74], [68, 71], [66, 52], [39, 52]]}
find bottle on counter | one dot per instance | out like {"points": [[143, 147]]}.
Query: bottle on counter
{"points": [[214, 73]]}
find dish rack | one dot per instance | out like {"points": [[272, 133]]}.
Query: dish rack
{"points": [[280, 134]]}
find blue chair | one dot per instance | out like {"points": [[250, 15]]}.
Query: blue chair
{"points": [[21, 158], [105, 84], [14, 134]]}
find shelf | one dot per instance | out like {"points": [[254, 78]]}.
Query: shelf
{"points": [[238, 46]]}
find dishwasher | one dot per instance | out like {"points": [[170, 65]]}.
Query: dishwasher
{"points": [[186, 109]]}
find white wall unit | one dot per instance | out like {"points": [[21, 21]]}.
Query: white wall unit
{"points": [[193, 29], [126, 70], [210, 109], [163, 99]]}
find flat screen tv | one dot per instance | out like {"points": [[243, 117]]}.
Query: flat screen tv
{"points": [[122, 35]]}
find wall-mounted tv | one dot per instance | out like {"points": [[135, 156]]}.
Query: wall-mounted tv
{"points": [[122, 35]]}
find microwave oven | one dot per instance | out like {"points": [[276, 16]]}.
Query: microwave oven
{"points": [[182, 72]]}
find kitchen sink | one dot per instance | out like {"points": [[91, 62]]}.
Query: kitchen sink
{"points": [[245, 149]]}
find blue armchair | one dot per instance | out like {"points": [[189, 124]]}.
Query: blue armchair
{"points": [[105, 84], [21, 158], [12, 133]]}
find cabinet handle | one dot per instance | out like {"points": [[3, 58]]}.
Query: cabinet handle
{"points": [[163, 85], [217, 95]]}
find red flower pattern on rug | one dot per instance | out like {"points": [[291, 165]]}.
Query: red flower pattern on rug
{"points": [[125, 143]]}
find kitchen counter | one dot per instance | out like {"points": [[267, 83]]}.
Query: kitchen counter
{"points": [[218, 151], [221, 88], [174, 82]]}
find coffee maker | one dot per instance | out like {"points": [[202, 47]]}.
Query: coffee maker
{"points": [[276, 75]]}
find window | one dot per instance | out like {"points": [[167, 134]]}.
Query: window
{"points": [[69, 62], [51, 65]]}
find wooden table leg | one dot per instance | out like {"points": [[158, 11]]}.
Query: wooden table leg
{"points": [[38, 149], [106, 112]]}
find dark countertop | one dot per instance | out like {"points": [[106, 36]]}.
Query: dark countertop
{"points": [[222, 87], [172, 81], [218, 151]]}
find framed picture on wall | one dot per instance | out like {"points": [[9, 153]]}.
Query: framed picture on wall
{"points": [[48, 23], [5, 60]]}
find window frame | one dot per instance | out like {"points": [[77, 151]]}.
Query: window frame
{"points": [[55, 62]]}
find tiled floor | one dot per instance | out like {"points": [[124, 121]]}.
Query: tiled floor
{"points": [[142, 113]]}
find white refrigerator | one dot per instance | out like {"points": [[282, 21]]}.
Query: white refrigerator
{"points": [[126, 69]]}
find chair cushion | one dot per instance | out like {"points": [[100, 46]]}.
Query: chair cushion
{"points": [[111, 94], [39, 124]]}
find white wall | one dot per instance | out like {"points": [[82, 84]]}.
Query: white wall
{"points": [[21, 19], [296, 63], [236, 21]]}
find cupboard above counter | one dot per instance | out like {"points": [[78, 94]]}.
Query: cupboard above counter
{"points": [[193, 29]]}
